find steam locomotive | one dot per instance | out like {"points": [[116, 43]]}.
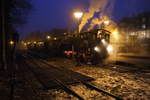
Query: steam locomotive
{"points": [[90, 47]]}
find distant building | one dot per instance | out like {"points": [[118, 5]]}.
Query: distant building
{"points": [[138, 26], [136, 31]]}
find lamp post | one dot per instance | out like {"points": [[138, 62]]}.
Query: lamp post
{"points": [[78, 15]]}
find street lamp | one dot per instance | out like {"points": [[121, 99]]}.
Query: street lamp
{"points": [[48, 37], [11, 42], [78, 15]]}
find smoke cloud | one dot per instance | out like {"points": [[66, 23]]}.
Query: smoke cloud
{"points": [[103, 7]]}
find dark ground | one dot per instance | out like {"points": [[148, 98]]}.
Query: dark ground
{"points": [[127, 78]]}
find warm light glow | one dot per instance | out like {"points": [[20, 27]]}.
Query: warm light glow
{"points": [[11, 42], [115, 35], [106, 22], [28, 43], [97, 49], [109, 49], [25, 44], [40, 43], [78, 15], [115, 32], [65, 33], [48, 37], [55, 38], [34, 42]]}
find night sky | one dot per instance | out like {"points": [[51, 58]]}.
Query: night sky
{"points": [[49, 14]]}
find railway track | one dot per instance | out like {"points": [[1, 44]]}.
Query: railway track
{"points": [[40, 64], [24, 84]]}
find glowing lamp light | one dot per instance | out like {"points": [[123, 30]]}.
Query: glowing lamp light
{"points": [[40, 43], [34, 42], [78, 15], [109, 49], [97, 49], [55, 38], [48, 37], [25, 44], [11, 42], [28, 43], [65, 33]]}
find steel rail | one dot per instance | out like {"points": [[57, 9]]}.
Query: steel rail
{"points": [[85, 83], [68, 90], [60, 83], [100, 90]]}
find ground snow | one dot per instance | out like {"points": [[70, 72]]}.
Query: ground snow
{"points": [[129, 86]]}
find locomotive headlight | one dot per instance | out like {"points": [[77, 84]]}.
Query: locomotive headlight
{"points": [[97, 49], [109, 49]]}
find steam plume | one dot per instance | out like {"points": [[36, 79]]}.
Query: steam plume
{"points": [[96, 6]]}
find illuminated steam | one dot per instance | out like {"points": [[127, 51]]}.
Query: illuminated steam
{"points": [[104, 7]]}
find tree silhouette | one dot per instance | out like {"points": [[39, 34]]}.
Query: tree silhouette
{"points": [[11, 12]]}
